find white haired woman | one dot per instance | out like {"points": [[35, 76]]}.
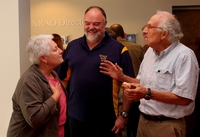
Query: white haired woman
{"points": [[40, 99]]}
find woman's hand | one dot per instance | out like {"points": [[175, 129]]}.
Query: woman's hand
{"points": [[56, 91]]}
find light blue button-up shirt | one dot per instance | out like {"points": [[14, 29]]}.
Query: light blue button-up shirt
{"points": [[174, 70]]}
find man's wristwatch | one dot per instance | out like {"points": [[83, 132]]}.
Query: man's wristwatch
{"points": [[124, 114], [148, 95]]}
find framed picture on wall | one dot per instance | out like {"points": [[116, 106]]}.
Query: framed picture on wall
{"points": [[131, 37]]}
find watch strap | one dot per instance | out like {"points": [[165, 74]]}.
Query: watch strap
{"points": [[148, 95], [124, 114]]}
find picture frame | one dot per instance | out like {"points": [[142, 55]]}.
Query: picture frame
{"points": [[131, 37]]}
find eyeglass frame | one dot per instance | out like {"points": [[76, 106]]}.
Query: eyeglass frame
{"points": [[149, 26]]}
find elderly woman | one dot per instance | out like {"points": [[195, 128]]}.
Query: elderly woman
{"points": [[39, 100]]}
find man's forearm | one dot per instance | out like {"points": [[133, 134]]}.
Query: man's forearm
{"points": [[126, 105], [128, 79]]}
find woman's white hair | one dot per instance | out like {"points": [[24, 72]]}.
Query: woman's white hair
{"points": [[38, 46]]}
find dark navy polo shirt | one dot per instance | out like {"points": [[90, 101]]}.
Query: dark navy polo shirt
{"points": [[90, 92]]}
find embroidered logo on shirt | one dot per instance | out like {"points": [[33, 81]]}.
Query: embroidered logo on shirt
{"points": [[102, 57]]}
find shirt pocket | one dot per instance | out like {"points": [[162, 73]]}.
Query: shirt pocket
{"points": [[164, 79]]}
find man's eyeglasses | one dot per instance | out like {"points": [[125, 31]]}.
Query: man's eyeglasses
{"points": [[148, 27]]}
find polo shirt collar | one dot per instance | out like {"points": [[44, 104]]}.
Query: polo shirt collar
{"points": [[102, 43]]}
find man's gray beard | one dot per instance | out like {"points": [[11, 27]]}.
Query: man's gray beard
{"points": [[92, 39]]}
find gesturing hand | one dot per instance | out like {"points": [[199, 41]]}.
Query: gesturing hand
{"points": [[111, 69]]}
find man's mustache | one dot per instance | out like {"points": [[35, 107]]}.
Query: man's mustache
{"points": [[93, 30]]}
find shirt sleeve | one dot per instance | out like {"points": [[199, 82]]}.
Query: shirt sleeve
{"points": [[36, 102], [186, 76]]}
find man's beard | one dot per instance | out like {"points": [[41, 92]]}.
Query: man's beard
{"points": [[93, 38]]}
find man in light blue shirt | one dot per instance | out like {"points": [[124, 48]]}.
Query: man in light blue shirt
{"points": [[167, 80]]}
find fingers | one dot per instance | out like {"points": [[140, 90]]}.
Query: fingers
{"points": [[126, 93], [115, 129], [129, 94], [103, 67], [109, 65], [56, 88], [108, 62], [118, 67], [126, 85], [119, 125], [133, 85], [58, 85]]}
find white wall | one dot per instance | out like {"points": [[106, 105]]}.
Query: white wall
{"points": [[131, 14], [11, 40]]}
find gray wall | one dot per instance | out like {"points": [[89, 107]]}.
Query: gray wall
{"points": [[15, 31]]}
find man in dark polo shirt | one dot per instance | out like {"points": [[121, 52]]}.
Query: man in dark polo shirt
{"points": [[91, 93]]}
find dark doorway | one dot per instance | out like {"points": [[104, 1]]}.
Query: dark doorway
{"points": [[189, 17]]}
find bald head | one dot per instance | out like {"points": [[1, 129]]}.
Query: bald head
{"points": [[97, 8], [118, 29]]}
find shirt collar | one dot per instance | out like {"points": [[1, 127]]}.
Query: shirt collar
{"points": [[102, 43], [167, 50]]}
